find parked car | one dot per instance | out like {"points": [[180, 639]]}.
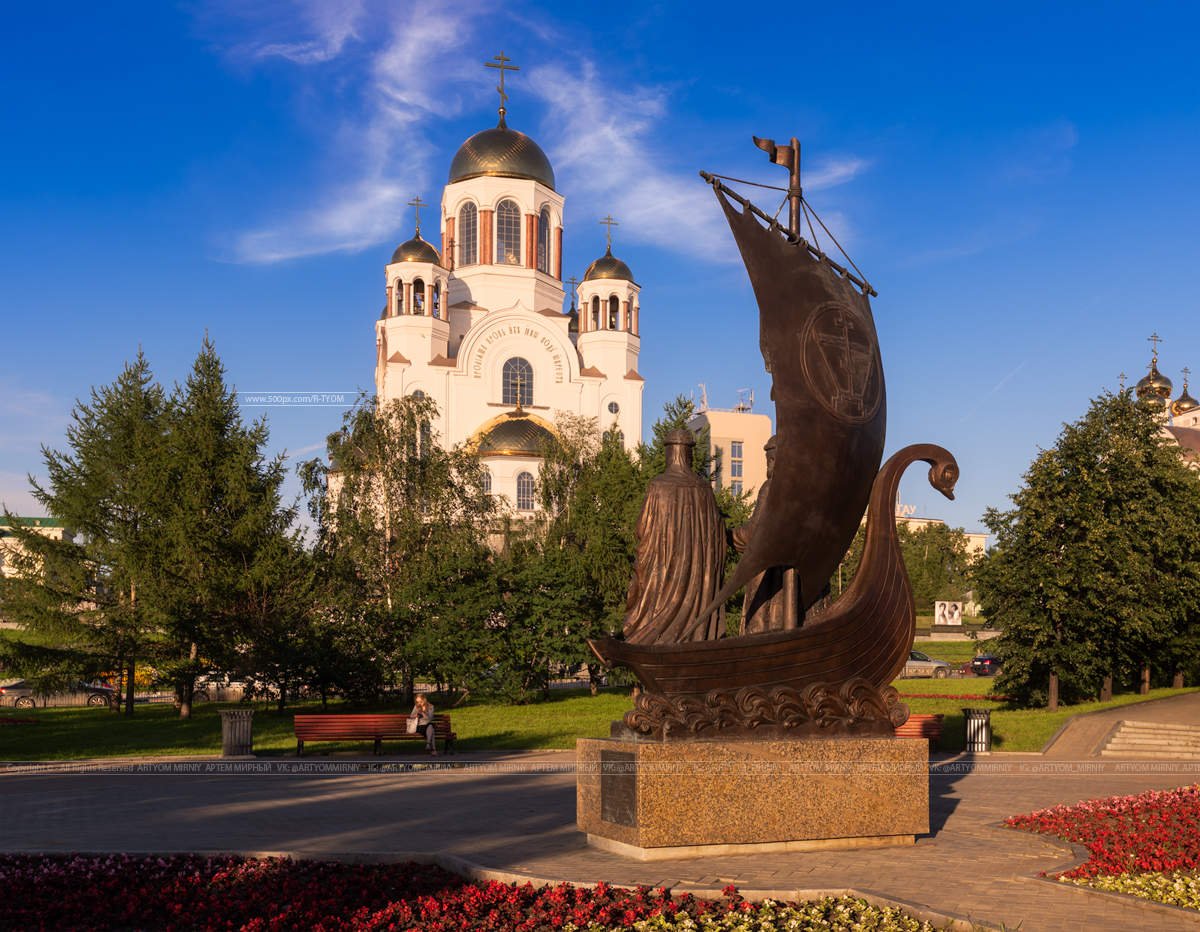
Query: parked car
{"points": [[985, 665], [19, 695], [920, 664]]}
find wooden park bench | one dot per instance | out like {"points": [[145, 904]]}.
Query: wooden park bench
{"points": [[364, 727], [923, 726]]}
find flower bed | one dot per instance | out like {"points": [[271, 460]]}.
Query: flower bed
{"points": [[192, 892], [1147, 845]]}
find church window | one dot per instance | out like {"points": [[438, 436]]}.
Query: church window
{"points": [[399, 287], [517, 382], [418, 394], [437, 300], [596, 313], [487, 480], [543, 241], [468, 235], [614, 311], [418, 298], [613, 407], [508, 233], [525, 491]]}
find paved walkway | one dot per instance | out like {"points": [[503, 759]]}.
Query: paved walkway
{"points": [[1084, 734], [514, 815]]}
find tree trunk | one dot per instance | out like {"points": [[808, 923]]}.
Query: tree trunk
{"points": [[1106, 689], [1144, 688], [186, 691], [1052, 699], [1177, 680]]}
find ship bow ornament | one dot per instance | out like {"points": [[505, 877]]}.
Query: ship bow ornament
{"points": [[831, 676]]}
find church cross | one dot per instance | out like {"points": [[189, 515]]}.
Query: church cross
{"points": [[417, 204], [1122, 378], [501, 64], [573, 282], [609, 222], [1155, 339], [1186, 372]]}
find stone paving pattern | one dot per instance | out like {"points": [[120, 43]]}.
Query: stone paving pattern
{"points": [[509, 817]]}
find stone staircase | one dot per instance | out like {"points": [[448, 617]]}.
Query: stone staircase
{"points": [[1153, 741]]}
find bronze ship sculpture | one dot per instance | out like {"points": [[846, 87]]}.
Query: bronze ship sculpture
{"points": [[830, 676]]}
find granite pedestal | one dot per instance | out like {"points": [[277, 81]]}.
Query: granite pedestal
{"points": [[651, 800]]}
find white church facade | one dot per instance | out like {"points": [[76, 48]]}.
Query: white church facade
{"points": [[478, 325]]}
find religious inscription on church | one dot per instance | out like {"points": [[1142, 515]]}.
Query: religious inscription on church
{"points": [[533, 335]]}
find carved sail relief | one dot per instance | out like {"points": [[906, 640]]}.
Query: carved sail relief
{"points": [[818, 340]]}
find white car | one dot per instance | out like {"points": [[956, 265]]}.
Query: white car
{"points": [[923, 665]]}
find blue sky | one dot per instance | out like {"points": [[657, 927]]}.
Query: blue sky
{"points": [[1018, 181]]}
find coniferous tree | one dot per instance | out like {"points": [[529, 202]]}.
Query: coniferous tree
{"points": [[1096, 568], [98, 594]]}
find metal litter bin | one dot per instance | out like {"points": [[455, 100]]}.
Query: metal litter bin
{"points": [[237, 736], [979, 731]]}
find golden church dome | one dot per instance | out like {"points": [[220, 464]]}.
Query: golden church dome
{"points": [[416, 250], [1185, 402], [1154, 385], [501, 152], [608, 266], [515, 435]]}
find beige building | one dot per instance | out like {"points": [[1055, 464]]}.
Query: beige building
{"points": [[478, 325], [736, 438], [10, 548], [906, 517]]}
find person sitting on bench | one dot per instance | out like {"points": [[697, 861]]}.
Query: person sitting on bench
{"points": [[423, 714]]}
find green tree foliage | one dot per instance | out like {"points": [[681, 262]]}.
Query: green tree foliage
{"points": [[938, 563], [225, 536], [402, 528], [98, 595], [1096, 568]]}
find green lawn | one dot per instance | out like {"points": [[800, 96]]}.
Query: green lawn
{"points": [[66, 734], [953, 652]]}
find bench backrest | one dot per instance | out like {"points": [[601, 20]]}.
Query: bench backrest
{"points": [[368, 725]]}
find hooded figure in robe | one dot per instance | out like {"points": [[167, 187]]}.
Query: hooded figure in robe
{"points": [[680, 555]]}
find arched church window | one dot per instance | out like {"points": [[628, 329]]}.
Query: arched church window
{"points": [[508, 233], [517, 382], [418, 394], [418, 298], [525, 488], [468, 235], [399, 289], [614, 312], [596, 313], [487, 480], [437, 300], [543, 241]]}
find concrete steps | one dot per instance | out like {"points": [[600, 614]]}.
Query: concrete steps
{"points": [[1153, 741]]}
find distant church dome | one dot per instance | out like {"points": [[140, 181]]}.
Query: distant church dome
{"points": [[608, 266], [1154, 385], [516, 435], [416, 250], [1184, 403], [502, 152]]}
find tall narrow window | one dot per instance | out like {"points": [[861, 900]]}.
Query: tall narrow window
{"points": [[508, 233], [517, 382], [614, 312], [543, 241], [418, 298], [596, 313], [487, 480], [525, 491], [399, 288], [736, 462], [468, 235], [437, 300]]}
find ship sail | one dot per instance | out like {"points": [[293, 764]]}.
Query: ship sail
{"points": [[818, 340]]}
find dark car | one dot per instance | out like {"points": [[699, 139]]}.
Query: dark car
{"points": [[985, 665], [19, 695]]}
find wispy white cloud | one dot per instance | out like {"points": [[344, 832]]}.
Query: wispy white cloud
{"points": [[1041, 154], [331, 26], [407, 77]]}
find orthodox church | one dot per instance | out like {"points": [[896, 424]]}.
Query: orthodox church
{"points": [[478, 325], [1181, 416]]}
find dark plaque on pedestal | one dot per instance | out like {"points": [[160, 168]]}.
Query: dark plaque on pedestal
{"points": [[618, 788]]}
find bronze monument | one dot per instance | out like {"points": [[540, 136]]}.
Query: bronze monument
{"points": [[831, 675]]}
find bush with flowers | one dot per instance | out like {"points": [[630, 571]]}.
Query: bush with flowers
{"points": [[1147, 845], [193, 892]]}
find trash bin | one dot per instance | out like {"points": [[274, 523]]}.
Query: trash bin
{"points": [[237, 738], [979, 731]]}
